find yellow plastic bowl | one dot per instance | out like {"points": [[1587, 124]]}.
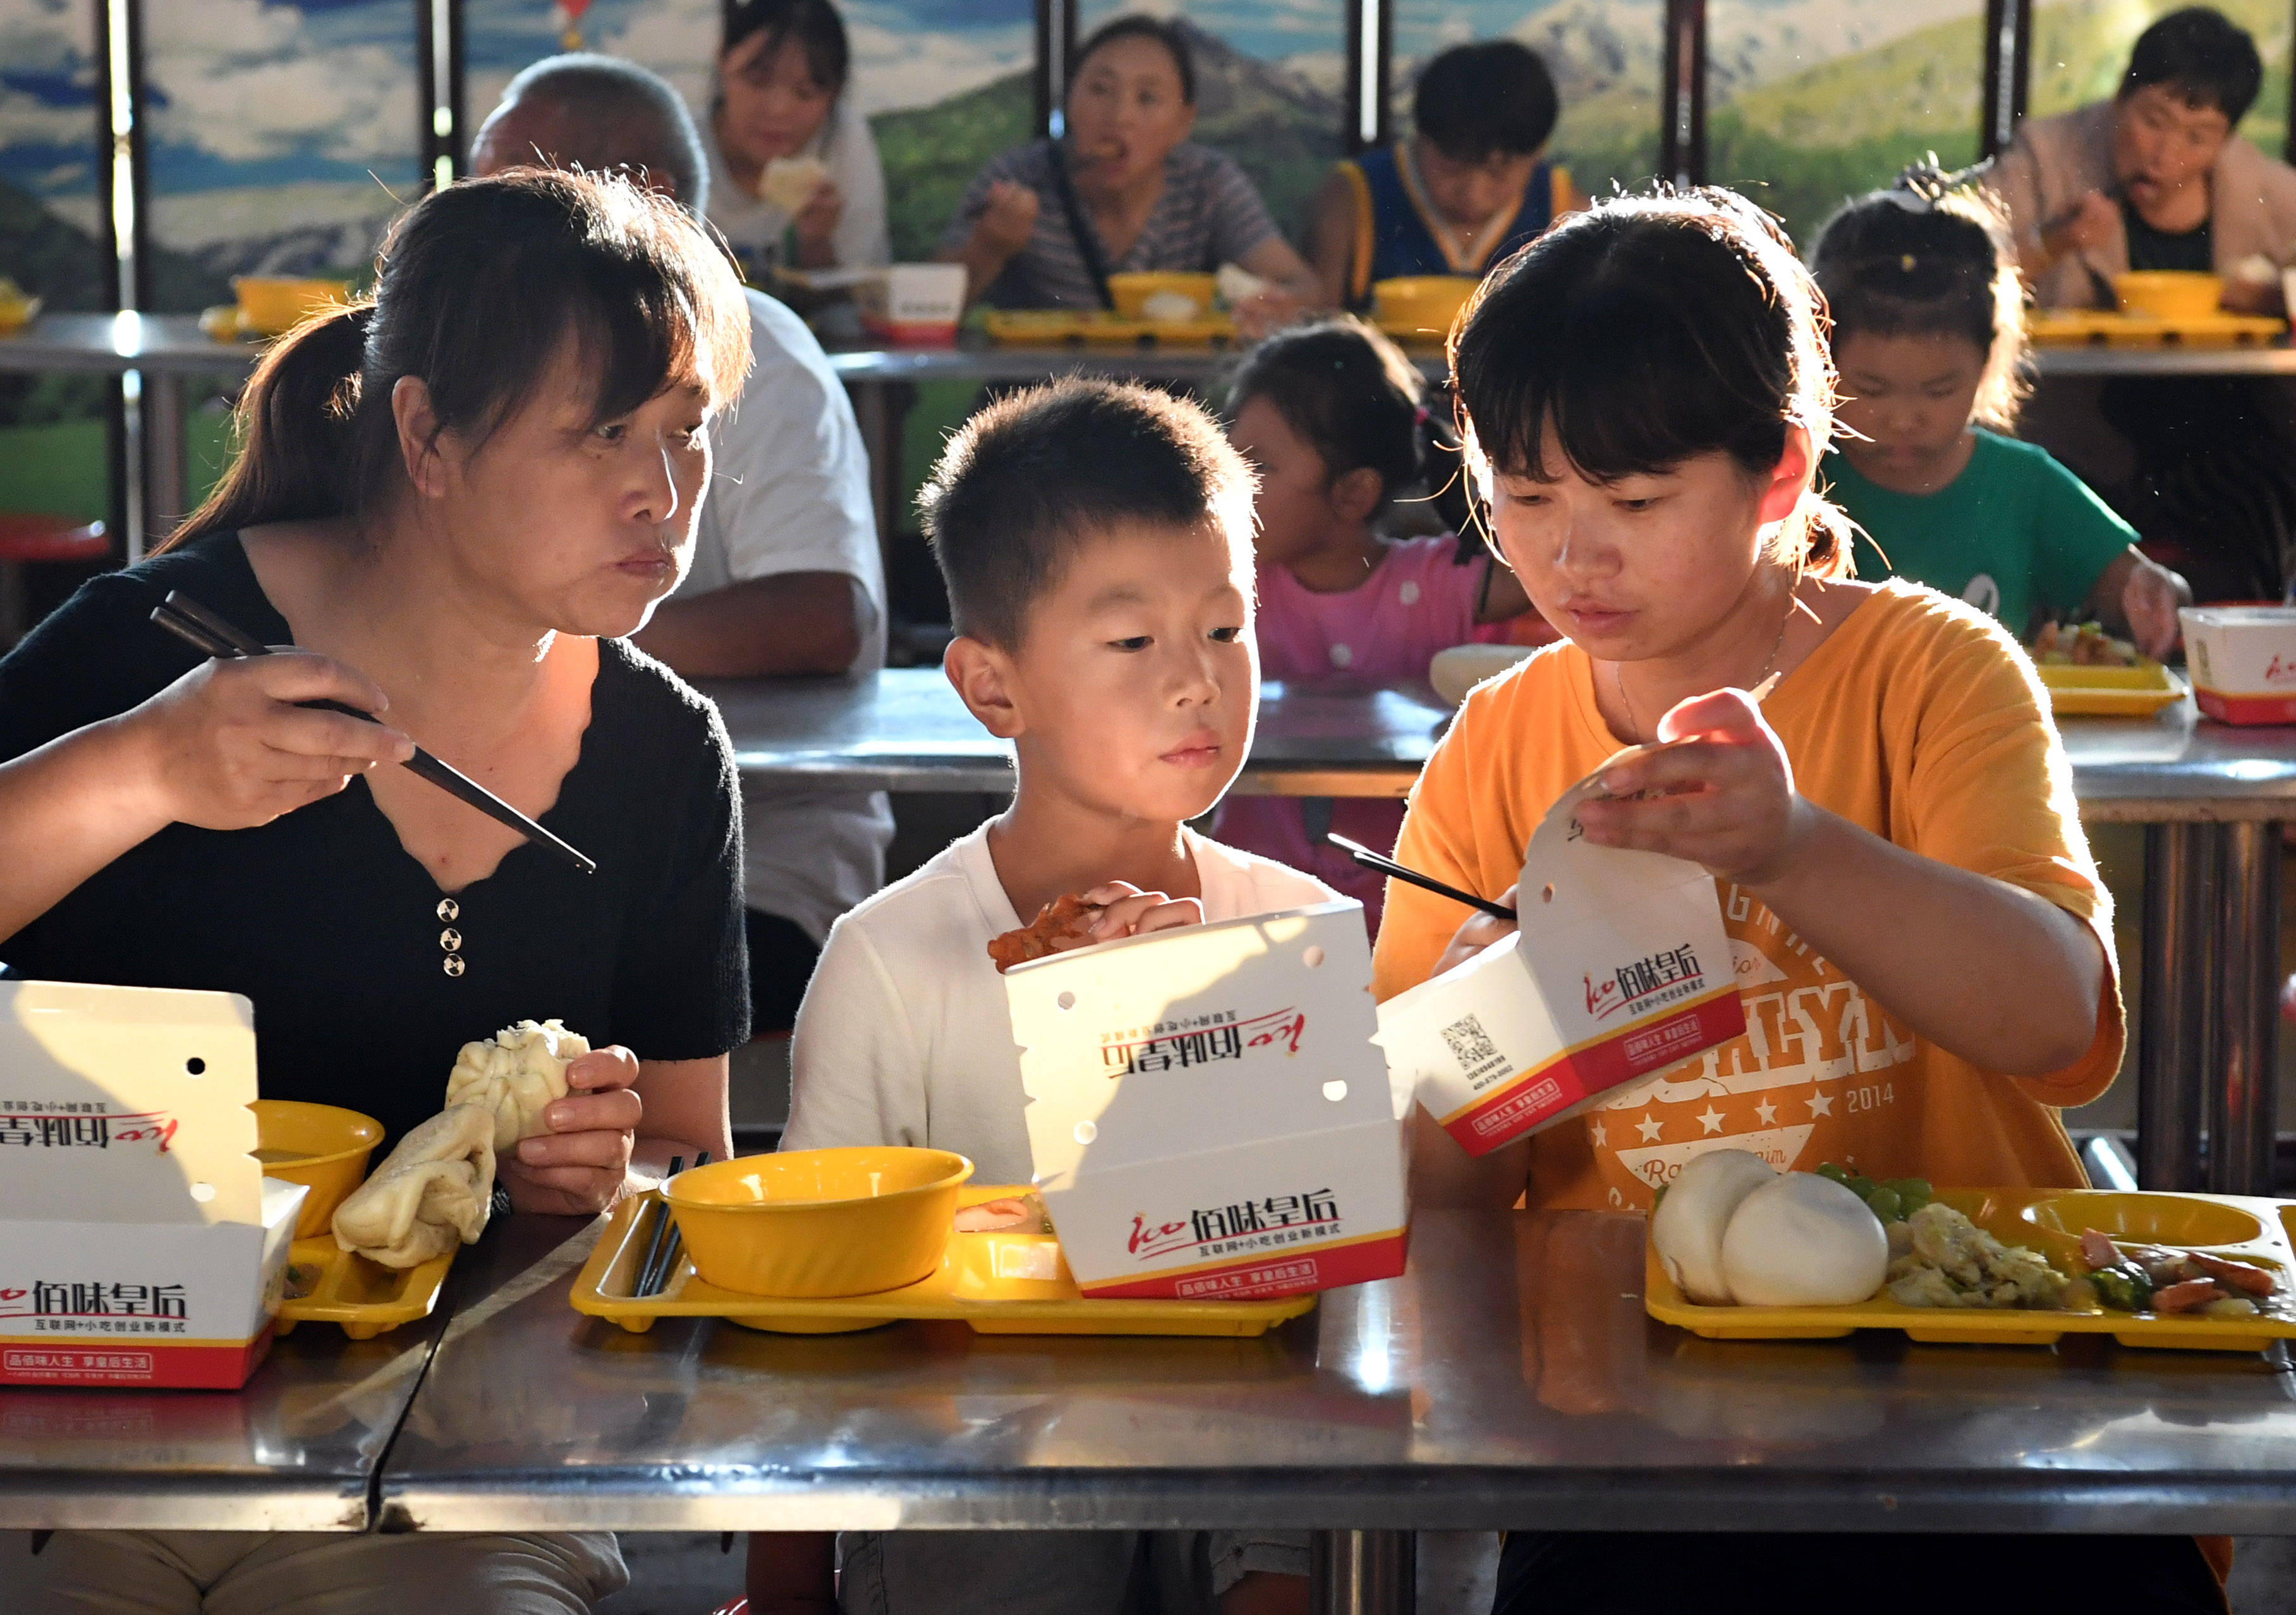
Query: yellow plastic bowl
{"points": [[275, 305], [1132, 291], [2169, 294], [1425, 303], [818, 1223], [323, 1145], [16, 313]]}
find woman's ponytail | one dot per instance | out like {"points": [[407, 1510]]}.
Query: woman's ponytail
{"points": [[296, 429]]}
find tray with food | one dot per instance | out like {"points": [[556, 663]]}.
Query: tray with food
{"points": [[1063, 328], [328, 1285], [1000, 1272], [1738, 1250], [2088, 673], [2097, 328]]}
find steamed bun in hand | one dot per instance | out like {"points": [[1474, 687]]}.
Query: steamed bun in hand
{"points": [[430, 1193], [515, 1077]]}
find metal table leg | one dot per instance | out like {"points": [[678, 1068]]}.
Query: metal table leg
{"points": [[2240, 1086], [1363, 1572], [2176, 1012], [166, 486]]}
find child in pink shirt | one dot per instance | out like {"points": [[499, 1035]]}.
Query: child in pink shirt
{"points": [[1332, 416]]}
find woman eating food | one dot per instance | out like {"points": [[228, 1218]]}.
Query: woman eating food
{"points": [[794, 175], [1124, 191], [451, 507]]}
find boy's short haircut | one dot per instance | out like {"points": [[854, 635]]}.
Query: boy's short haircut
{"points": [[2203, 57], [1492, 98], [1032, 476]]}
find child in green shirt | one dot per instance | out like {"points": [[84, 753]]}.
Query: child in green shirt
{"points": [[1928, 328]]}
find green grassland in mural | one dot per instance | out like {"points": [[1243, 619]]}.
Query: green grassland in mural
{"points": [[1803, 145], [931, 153]]}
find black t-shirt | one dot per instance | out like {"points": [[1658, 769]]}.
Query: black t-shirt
{"points": [[2149, 248], [325, 923]]}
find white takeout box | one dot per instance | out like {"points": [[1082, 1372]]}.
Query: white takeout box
{"points": [[1208, 1116], [1620, 969], [2243, 660], [914, 303], [143, 1246]]}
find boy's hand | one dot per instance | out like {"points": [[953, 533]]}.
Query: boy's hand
{"points": [[2149, 603], [580, 1165], [1127, 911], [1725, 792]]}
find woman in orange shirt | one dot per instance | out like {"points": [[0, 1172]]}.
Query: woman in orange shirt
{"points": [[1923, 947]]}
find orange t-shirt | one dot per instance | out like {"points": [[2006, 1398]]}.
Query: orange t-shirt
{"points": [[1918, 719]]}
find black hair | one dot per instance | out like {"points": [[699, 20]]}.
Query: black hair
{"points": [[2201, 56], [1136, 25], [622, 115], [1941, 266], [477, 290], [814, 24], [1031, 477], [1353, 397], [1493, 98], [1646, 331]]}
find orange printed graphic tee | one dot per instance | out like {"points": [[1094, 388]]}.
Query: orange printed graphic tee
{"points": [[1917, 719]]}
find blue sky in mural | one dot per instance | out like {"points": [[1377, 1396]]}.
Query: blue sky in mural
{"points": [[905, 53], [1310, 34], [47, 97]]}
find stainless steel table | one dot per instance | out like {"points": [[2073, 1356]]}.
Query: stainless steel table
{"points": [[296, 1450], [1509, 1380], [2212, 799], [161, 350]]}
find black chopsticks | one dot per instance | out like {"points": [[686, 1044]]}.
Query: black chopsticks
{"points": [[661, 1258], [1386, 866], [205, 632]]}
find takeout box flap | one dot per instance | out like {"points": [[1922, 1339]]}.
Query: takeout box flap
{"points": [[1180, 1041], [128, 1104]]}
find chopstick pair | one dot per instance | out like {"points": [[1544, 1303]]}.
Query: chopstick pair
{"points": [[205, 632], [1386, 866], [661, 1259]]}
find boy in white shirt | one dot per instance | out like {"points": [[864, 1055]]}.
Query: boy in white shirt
{"points": [[1097, 541]]}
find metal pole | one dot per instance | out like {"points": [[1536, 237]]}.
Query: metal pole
{"points": [[167, 483], [2176, 1013], [1363, 1572], [2240, 1088]]}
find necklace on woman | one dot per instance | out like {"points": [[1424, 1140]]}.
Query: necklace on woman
{"points": [[1618, 670]]}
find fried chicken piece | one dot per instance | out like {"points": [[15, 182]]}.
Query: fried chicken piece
{"points": [[1062, 923]]}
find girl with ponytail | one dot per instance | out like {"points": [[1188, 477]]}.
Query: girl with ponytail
{"points": [[1337, 422]]}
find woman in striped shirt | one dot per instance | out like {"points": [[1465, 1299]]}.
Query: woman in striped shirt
{"points": [[1044, 225]]}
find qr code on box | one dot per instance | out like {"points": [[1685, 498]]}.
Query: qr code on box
{"points": [[1470, 1044]]}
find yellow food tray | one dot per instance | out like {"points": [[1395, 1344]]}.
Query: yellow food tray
{"points": [[2138, 692], [2086, 328], [365, 1297], [1006, 1282], [2050, 1221], [1057, 327]]}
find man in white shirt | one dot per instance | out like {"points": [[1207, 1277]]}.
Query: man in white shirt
{"points": [[787, 578]]}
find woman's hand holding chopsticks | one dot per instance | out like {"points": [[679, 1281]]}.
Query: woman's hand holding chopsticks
{"points": [[227, 747]]}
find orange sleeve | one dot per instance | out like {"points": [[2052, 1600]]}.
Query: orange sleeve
{"points": [[1992, 792]]}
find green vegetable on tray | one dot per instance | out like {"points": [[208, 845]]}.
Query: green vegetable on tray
{"points": [[2123, 1289], [1892, 1200]]}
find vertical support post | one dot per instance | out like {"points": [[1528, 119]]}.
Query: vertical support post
{"points": [[166, 484], [1363, 1572], [2241, 1098], [439, 52], [1682, 136], [2175, 1053], [2008, 67], [1369, 42]]}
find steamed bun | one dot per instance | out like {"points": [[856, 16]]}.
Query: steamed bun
{"points": [[432, 1191], [515, 1077]]}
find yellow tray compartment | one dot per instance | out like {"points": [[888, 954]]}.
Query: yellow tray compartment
{"points": [[365, 1297], [2096, 328], [1061, 328], [2138, 692], [1005, 1283], [2051, 1221]]}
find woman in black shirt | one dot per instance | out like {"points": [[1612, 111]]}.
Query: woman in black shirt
{"points": [[471, 491]]}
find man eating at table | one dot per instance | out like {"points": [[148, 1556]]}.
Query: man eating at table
{"points": [[787, 578]]}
